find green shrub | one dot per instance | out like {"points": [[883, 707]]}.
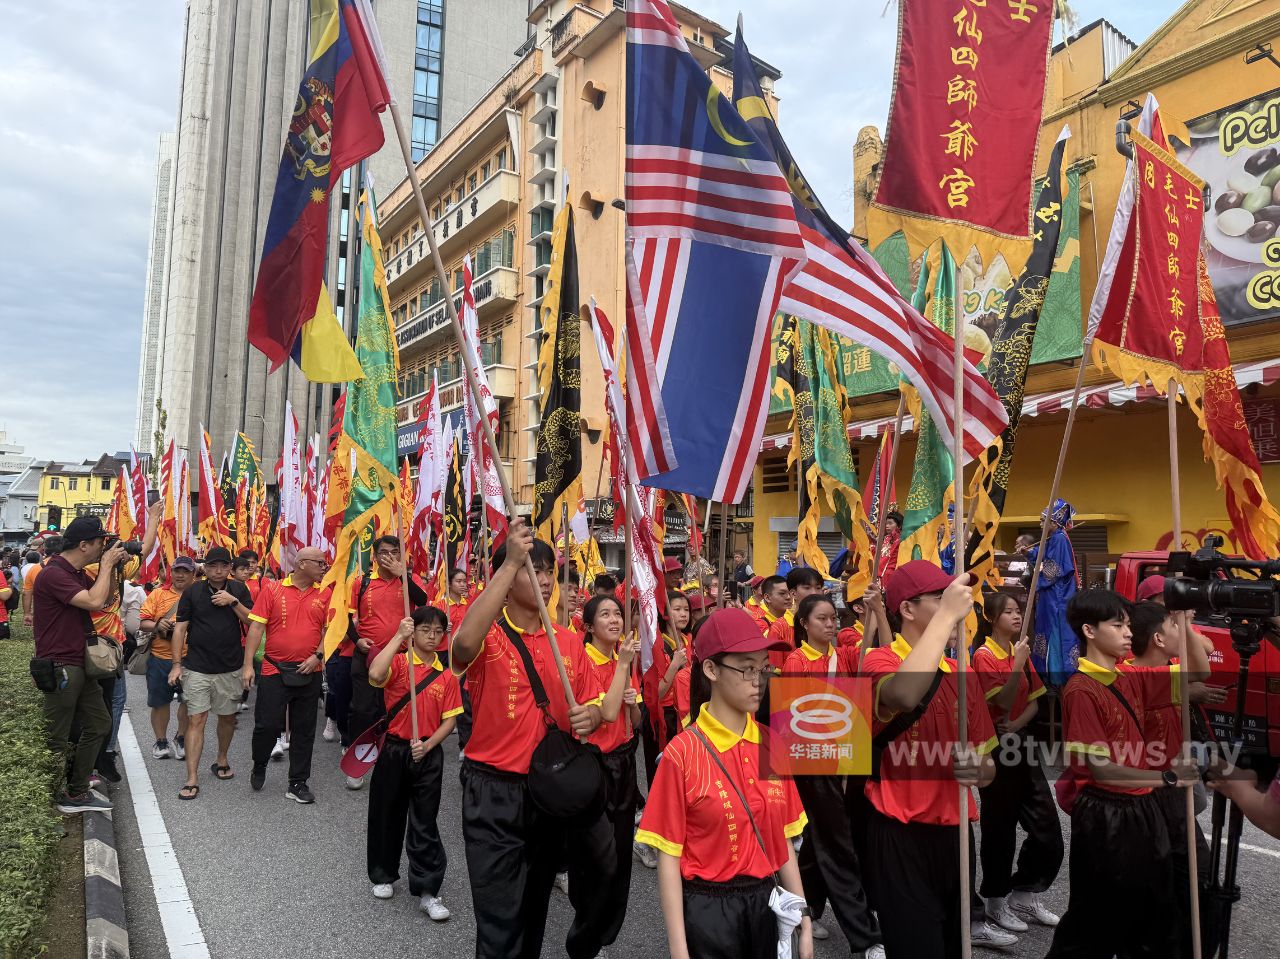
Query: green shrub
{"points": [[29, 825]]}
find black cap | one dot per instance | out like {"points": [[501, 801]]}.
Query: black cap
{"points": [[219, 554], [83, 529]]}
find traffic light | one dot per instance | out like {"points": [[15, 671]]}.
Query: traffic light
{"points": [[55, 518]]}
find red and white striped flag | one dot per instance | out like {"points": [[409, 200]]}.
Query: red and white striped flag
{"points": [[484, 471]]}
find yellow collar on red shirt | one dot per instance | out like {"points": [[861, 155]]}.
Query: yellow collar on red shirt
{"points": [[812, 654], [418, 661], [995, 649], [288, 581], [720, 736], [598, 657], [770, 619], [1094, 671], [902, 649]]}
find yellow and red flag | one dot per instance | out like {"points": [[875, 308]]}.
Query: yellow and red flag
{"points": [[210, 516], [1157, 321]]}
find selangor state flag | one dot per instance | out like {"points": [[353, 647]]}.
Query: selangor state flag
{"points": [[335, 125]]}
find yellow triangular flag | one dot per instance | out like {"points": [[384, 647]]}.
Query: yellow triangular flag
{"points": [[327, 357]]}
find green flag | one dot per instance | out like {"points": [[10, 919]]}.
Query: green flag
{"points": [[363, 477]]}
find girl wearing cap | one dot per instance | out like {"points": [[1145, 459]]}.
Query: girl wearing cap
{"points": [[720, 821], [829, 864], [600, 859], [1019, 794]]}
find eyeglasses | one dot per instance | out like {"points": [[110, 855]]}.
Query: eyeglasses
{"points": [[323, 564], [756, 675], [430, 630]]}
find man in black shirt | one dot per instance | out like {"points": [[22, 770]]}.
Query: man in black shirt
{"points": [[207, 655]]}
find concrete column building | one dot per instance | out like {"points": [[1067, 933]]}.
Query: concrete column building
{"points": [[241, 64]]}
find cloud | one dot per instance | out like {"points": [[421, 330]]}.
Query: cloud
{"points": [[84, 94]]}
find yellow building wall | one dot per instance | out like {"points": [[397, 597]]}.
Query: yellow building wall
{"points": [[88, 492]]}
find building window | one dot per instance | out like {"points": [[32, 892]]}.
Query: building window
{"points": [[484, 171], [106, 485], [426, 77], [55, 482], [73, 483], [502, 159], [471, 183]]}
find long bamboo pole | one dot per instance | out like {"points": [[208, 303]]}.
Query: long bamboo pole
{"points": [[894, 445], [404, 592], [469, 365], [1175, 489]]}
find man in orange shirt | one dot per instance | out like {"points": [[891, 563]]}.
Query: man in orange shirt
{"points": [[157, 618], [513, 849], [291, 613]]}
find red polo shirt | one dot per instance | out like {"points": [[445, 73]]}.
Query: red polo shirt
{"points": [[916, 783], [295, 619], [693, 814], [993, 667], [440, 701], [807, 661], [455, 611], [611, 736], [1161, 713], [380, 610], [506, 722], [850, 635], [681, 687], [779, 629]]}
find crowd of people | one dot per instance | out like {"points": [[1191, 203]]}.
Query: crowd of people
{"points": [[743, 856]]}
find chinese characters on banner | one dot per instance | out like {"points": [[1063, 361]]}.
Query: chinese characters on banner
{"points": [[1263, 420], [965, 121], [1153, 317]]}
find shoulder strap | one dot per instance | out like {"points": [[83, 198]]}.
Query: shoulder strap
{"points": [[403, 701], [715, 757], [901, 723], [1127, 708], [535, 681], [352, 634]]}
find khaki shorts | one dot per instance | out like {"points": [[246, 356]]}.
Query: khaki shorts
{"points": [[217, 693]]}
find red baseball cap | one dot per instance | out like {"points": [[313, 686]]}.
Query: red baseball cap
{"points": [[732, 630], [1150, 588], [698, 602], [914, 579], [755, 581], [672, 565]]}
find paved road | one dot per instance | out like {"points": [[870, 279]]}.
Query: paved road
{"points": [[269, 878]]}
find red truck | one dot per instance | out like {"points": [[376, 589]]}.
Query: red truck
{"points": [[1262, 697]]}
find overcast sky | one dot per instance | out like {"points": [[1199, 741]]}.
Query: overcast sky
{"points": [[87, 87]]}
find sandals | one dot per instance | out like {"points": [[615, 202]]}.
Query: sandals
{"points": [[188, 792], [222, 772]]}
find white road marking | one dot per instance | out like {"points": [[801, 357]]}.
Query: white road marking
{"points": [[1265, 852], [182, 931]]}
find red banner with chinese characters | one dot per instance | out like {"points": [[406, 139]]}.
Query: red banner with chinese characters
{"points": [[960, 148], [1152, 320]]}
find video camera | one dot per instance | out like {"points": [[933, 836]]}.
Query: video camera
{"points": [[1209, 584], [130, 546]]}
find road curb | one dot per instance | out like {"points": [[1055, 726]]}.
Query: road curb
{"points": [[106, 927]]}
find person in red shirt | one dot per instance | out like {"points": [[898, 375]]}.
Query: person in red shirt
{"points": [[802, 581], [602, 910], [512, 846], [376, 607], [889, 548], [404, 789], [455, 606], [1019, 794], [720, 821], [775, 603], [913, 859], [829, 864], [1119, 836], [289, 618]]}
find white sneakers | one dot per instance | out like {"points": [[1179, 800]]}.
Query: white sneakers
{"points": [[434, 908], [1027, 905], [161, 749], [383, 890], [562, 882], [648, 858], [985, 934], [353, 782], [874, 952], [277, 751], [998, 911], [330, 733]]}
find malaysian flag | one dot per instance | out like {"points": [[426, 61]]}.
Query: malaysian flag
{"points": [[842, 288], [711, 241]]}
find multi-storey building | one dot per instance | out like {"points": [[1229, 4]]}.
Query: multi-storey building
{"points": [[550, 131], [68, 490], [241, 64]]}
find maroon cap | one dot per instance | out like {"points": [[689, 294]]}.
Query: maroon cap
{"points": [[914, 579], [672, 565], [1150, 588], [732, 630], [755, 581], [698, 602]]}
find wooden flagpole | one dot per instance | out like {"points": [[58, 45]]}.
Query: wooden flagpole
{"points": [[1175, 489], [469, 366], [962, 654], [568, 551], [882, 518], [724, 545], [404, 591]]}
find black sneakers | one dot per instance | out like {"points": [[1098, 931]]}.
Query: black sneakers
{"points": [[89, 802], [107, 767], [300, 793], [258, 778]]}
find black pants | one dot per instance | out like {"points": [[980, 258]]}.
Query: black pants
{"points": [[914, 872], [829, 867], [1172, 804], [108, 694], [649, 739], [337, 702], [303, 703], [402, 792], [463, 720], [599, 861], [367, 705], [1121, 900], [512, 848], [1019, 796], [730, 920]]}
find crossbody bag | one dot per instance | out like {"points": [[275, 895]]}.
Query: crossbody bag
{"points": [[1067, 788], [566, 777], [137, 664], [362, 754]]}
